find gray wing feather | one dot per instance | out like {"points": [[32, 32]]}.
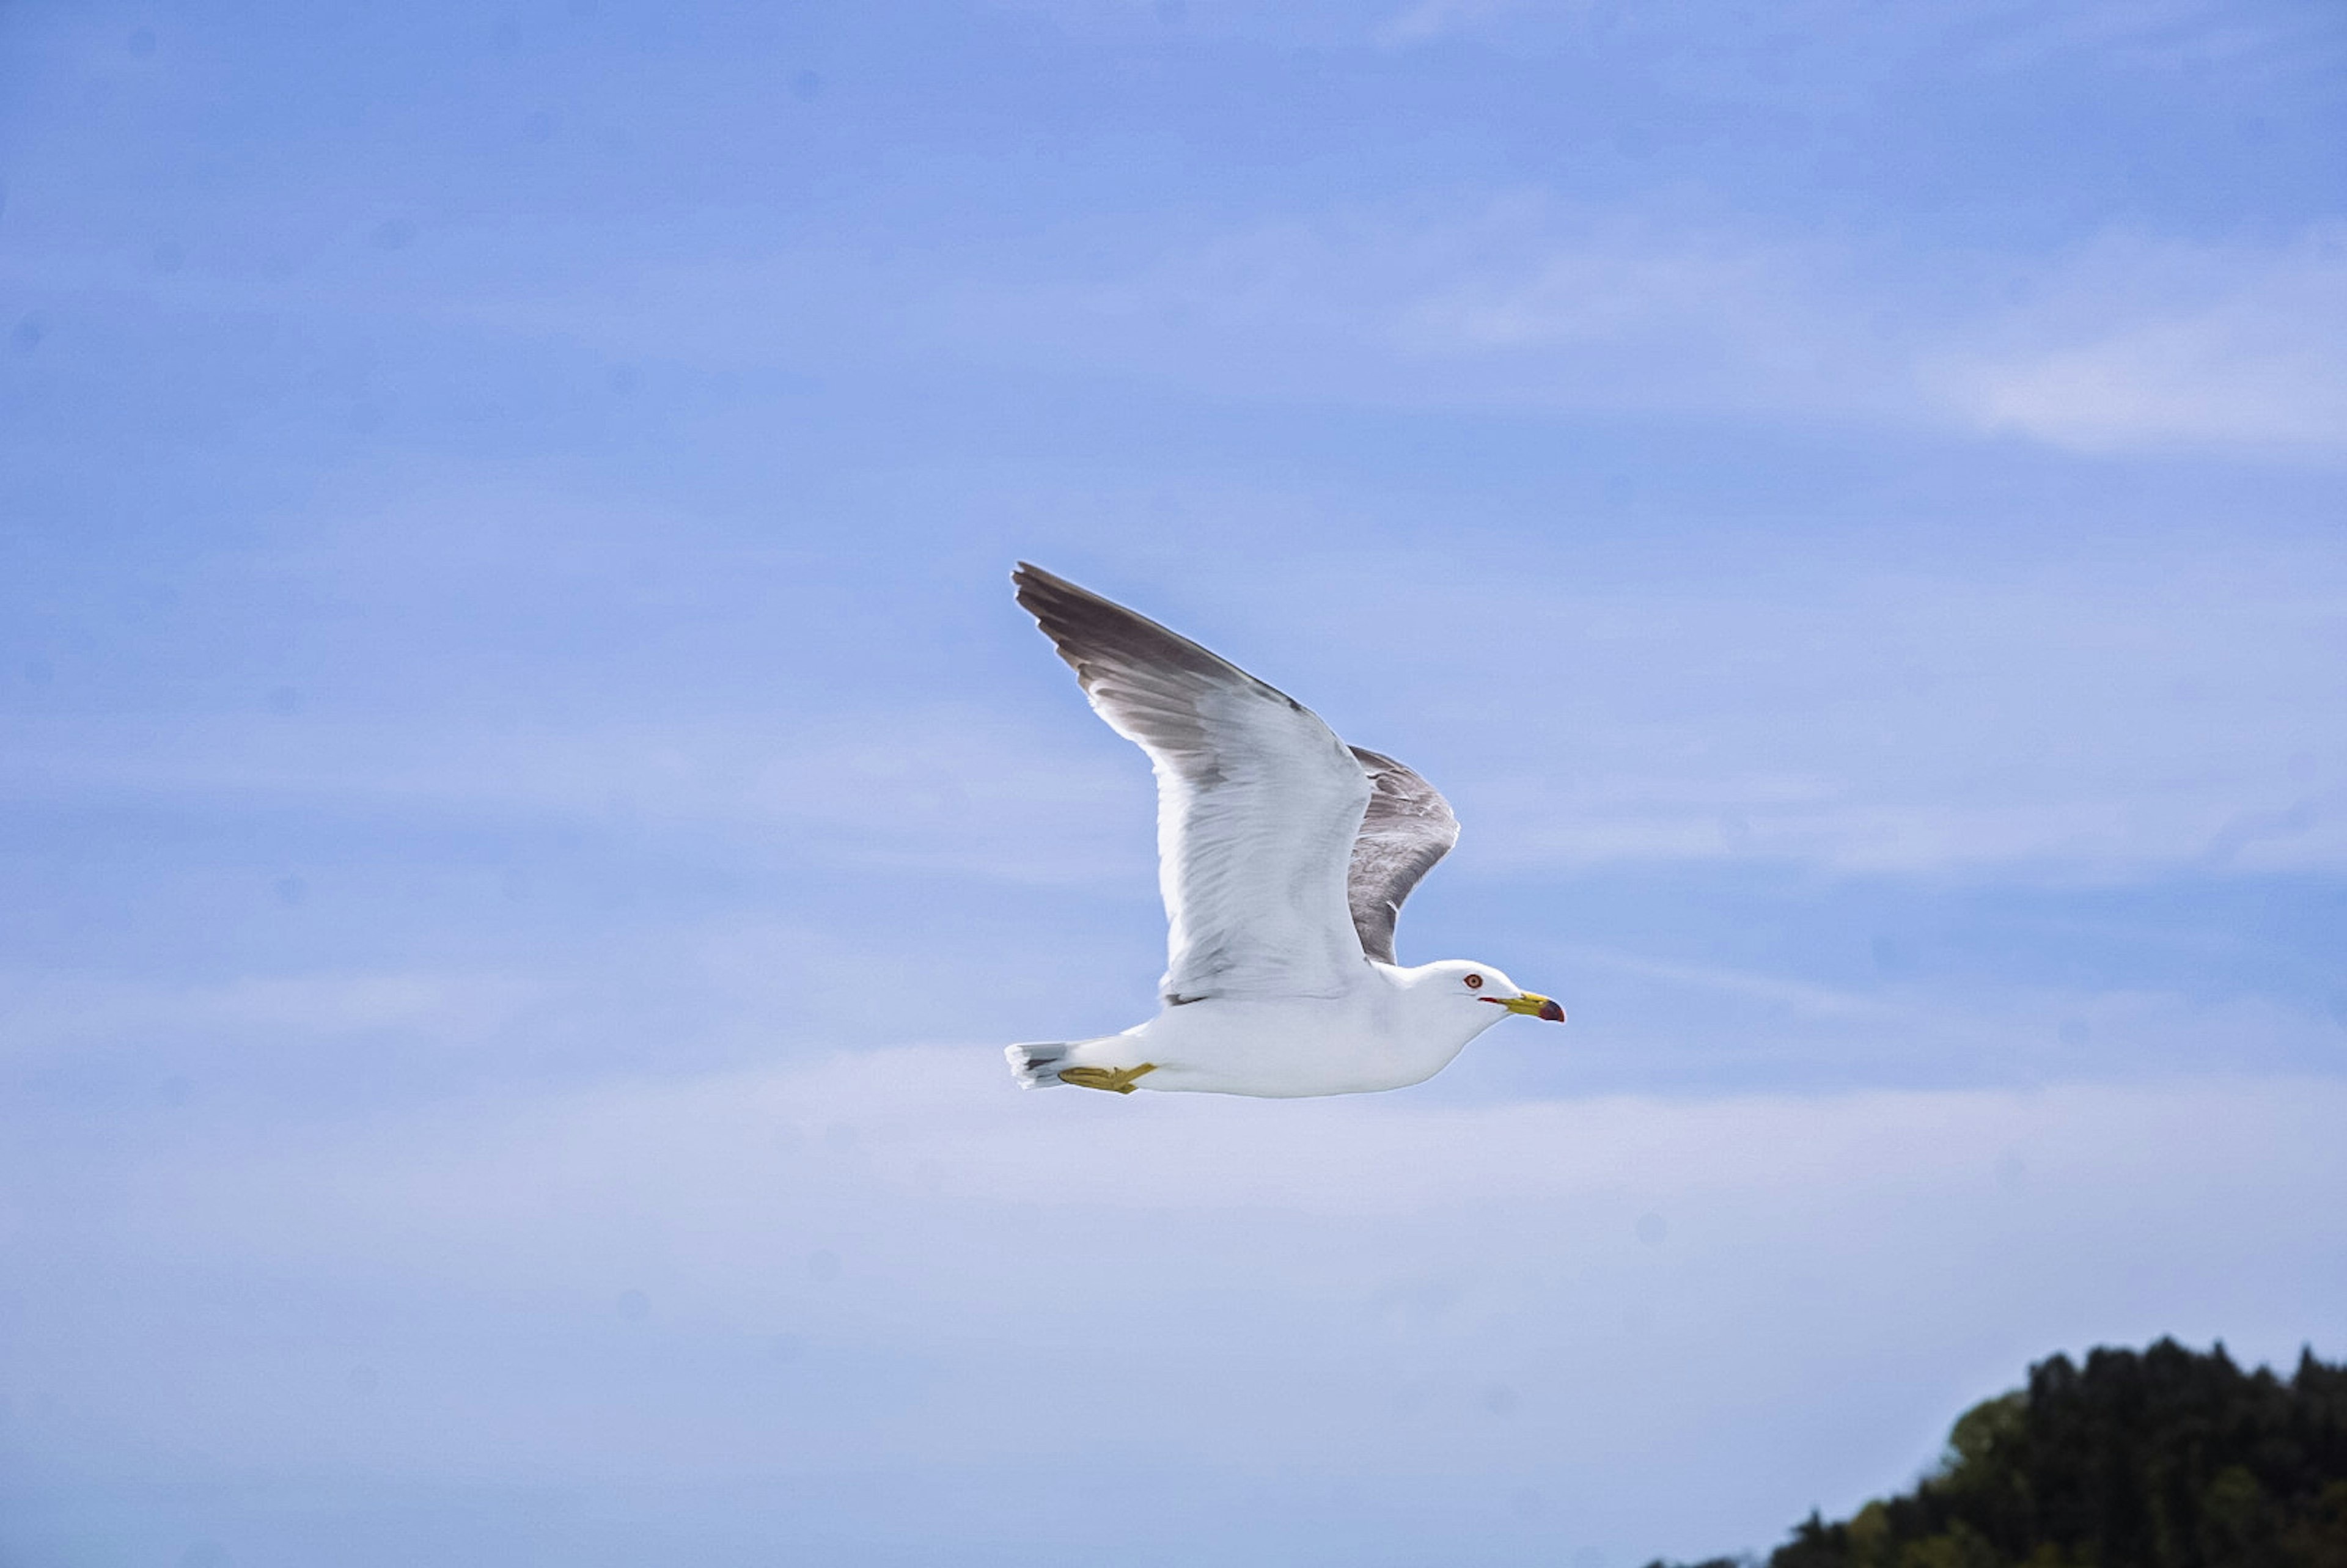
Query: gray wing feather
{"points": [[1259, 801], [1407, 828]]}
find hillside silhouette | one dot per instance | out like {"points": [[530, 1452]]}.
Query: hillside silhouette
{"points": [[2165, 1458]]}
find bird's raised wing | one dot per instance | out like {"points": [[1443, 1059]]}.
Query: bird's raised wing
{"points": [[1258, 802], [1407, 828]]}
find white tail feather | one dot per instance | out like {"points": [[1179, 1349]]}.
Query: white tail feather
{"points": [[1036, 1065]]}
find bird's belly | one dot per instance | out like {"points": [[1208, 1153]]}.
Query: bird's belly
{"points": [[1283, 1050]]}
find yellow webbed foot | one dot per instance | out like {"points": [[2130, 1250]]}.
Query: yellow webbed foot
{"points": [[1115, 1079]]}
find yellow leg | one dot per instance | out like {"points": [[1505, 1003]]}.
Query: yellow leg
{"points": [[1115, 1079]]}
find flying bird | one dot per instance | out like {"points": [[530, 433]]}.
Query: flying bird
{"points": [[1284, 855]]}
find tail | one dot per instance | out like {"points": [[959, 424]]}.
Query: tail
{"points": [[1036, 1065]]}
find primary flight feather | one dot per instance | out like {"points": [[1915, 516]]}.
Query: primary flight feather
{"points": [[1284, 856]]}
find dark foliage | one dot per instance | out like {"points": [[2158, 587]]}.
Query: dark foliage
{"points": [[2163, 1459]]}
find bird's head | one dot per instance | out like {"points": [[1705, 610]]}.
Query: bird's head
{"points": [[1472, 983]]}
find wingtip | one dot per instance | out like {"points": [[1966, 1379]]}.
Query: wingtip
{"points": [[1044, 594], [1027, 578], [1085, 626], [1026, 582]]}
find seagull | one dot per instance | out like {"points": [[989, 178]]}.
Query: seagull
{"points": [[1284, 855]]}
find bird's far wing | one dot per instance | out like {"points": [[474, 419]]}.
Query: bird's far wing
{"points": [[1257, 801], [1407, 828]]}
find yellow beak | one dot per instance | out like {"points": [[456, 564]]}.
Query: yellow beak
{"points": [[1533, 1004]]}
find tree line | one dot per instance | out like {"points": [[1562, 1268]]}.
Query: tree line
{"points": [[2164, 1457]]}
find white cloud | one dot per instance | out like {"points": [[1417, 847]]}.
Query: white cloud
{"points": [[1516, 298], [2127, 344], [1424, 20], [1523, 299], [2171, 707], [1705, 43], [1757, 1303], [50, 1016], [2141, 345], [2099, 717], [958, 792]]}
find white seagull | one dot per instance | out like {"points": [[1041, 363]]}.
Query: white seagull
{"points": [[1284, 855]]}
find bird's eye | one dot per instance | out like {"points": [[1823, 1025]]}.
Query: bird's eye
{"points": [[1474, 982]]}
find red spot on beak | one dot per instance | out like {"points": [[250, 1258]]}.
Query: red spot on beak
{"points": [[1551, 1012]]}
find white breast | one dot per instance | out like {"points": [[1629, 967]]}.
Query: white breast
{"points": [[1375, 1036]]}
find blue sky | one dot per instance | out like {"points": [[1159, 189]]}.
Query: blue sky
{"points": [[530, 812]]}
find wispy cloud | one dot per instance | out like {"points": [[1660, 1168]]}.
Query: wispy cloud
{"points": [[51, 1017], [2139, 345], [1518, 300], [1424, 20], [2123, 343], [898, 1259], [2091, 717]]}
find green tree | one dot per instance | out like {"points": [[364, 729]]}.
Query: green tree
{"points": [[2164, 1457]]}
